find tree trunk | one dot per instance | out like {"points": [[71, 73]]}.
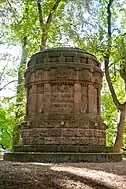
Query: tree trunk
{"points": [[120, 129], [47, 23], [19, 113], [43, 39]]}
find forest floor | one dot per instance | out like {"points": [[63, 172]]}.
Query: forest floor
{"points": [[15, 175]]}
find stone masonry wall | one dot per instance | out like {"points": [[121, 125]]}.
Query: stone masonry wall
{"points": [[63, 100], [83, 131]]}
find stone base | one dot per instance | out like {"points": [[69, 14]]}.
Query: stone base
{"points": [[58, 129], [62, 148], [62, 157]]}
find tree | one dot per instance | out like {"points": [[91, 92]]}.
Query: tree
{"points": [[45, 26], [6, 126], [121, 107]]}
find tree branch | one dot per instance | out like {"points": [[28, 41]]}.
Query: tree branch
{"points": [[53, 10], [47, 23], [1, 35], [8, 133], [114, 97], [2, 146], [24, 41], [7, 84], [2, 73], [3, 129], [40, 13], [118, 105], [11, 6], [109, 18]]}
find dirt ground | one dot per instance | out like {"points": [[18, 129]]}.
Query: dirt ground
{"points": [[62, 176]]}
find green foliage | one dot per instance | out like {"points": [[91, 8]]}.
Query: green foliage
{"points": [[6, 126], [109, 114], [109, 111]]}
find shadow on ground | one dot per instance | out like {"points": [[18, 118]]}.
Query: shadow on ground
{"points": [[62, 176]]}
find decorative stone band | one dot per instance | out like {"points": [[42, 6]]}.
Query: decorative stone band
{"points": [[54, 120], [60, 82], [63, 55], [47, 67], [64, 75]]}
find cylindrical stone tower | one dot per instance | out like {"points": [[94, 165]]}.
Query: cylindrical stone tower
{"points": [[63, 102]]}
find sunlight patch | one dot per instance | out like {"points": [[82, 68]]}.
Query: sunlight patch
{"points": [[100, 177]]}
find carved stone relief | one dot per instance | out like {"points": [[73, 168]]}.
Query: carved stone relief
{"points": [[62, 97], [84, 99], [92, 96], [40, 98]]}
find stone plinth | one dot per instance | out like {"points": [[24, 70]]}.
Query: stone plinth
{"points": [[62, 157], [63, 100]]}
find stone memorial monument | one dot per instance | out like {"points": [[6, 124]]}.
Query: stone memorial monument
{"points": [[63, 119]]}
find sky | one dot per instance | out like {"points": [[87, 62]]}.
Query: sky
{"points": [[14, 52]]}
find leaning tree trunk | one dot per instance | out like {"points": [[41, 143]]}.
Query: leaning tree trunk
{"points": [[120, 129], [122, 118], [122, 121], [19, 112]]}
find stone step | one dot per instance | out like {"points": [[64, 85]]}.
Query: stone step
{"points": [[62, 157], [61, 148]]}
